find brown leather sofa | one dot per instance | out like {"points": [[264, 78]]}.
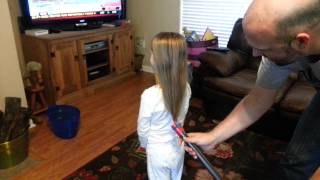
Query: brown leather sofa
{"points": [[227, 75]]}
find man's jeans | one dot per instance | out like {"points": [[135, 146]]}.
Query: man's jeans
{"points": [[303, 152]]}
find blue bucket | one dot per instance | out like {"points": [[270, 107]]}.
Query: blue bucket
{"points": [[64, 120]]}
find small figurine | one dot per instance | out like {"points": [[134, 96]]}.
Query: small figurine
{"points": [[33, 75]]}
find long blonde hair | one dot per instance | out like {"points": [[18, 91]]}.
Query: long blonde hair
{"points": [[169, 62]]}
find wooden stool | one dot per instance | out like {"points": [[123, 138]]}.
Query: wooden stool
{"points": [[35, 92], [36, 97]]}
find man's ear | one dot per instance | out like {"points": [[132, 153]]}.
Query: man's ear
{"points": [[301, 42]]}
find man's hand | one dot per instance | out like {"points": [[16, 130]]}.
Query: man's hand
{"points": [[204, 140]]}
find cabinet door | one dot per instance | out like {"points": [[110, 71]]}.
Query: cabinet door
{"points": [[124, 51], [65, 68]]}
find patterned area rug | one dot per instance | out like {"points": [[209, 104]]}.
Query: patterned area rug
{"points": [[245, 156]]}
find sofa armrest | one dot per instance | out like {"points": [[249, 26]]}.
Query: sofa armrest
{"points": [[223, 63]]}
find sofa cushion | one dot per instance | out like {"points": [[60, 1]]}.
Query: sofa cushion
{"points": [[298, 97], [224, 64], [238, 84]]}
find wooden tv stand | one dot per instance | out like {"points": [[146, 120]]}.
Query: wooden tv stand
{"points": [[74, 60]]}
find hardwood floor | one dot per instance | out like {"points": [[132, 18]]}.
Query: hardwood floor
{"points": [[108, 114]]}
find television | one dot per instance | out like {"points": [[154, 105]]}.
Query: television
{"points": [[71, 13]]}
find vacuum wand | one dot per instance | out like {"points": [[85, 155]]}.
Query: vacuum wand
{"points": [[182, 134]]}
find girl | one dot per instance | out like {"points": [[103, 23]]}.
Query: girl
{"points": [[162, 104]]}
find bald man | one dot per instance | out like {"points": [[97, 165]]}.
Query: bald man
{"points": [[286, 33]]}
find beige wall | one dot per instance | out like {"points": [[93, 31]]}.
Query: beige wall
{"points": [[10, 75], [15, 12], [150, 17]]}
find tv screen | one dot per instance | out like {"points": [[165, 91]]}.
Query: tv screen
{"points": [[67, 11]]}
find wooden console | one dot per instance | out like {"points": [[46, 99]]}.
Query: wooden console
{"points": [[69, 65]]}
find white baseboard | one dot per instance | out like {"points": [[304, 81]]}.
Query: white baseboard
{"points": [[147, 69]]}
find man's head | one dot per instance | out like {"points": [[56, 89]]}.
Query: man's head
{"points": [[283, 30]]}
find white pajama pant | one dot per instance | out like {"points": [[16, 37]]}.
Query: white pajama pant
{"points": [[165, 160]]}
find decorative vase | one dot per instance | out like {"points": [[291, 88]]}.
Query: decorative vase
{"points": [[14, 151]]}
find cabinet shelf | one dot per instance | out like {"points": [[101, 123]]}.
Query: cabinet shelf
{"points": [[97, 66], [96, 50]]}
